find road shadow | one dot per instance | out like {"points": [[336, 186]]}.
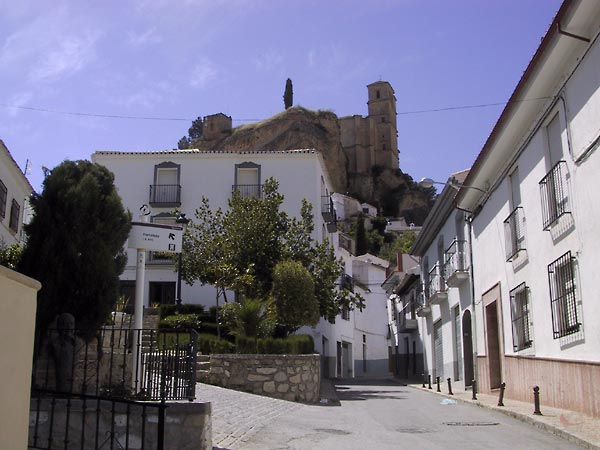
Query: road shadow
{"points": [[353, 389]]}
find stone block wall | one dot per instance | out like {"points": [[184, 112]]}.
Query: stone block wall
{"points": [[288, 377]]}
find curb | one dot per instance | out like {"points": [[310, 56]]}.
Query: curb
{"points": [[519, 416]]}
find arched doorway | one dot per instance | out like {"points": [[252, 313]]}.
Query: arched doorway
{"points": [[467, 348]]}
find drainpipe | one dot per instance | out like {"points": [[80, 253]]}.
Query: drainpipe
{"points": [[469, 220]]}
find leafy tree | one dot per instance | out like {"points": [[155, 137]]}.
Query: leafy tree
{"points": [[401, 245], [250, 318], [196, 130], [184, 143], [294, 296], [239, 249], [10, 255], [75, 245], [288, 95]]}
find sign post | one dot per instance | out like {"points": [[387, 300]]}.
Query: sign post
{"points": [[147, 236]]}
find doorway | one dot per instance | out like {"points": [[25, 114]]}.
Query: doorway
{"points": [[161, 293], [467, 348], [493, 344]]}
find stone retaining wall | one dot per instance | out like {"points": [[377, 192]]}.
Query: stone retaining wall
{"points": [[289, 377]]}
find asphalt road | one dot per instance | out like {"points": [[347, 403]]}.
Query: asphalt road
{"points": [[385, 415]]}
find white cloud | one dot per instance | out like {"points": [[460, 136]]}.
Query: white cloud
{"points": [[269, 60], [311, 58], [149, 36], [203, 73], [65, 58], [20, 99]]}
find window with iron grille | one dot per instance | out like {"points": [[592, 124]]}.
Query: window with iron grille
{"points": [[520, 316], [563, 302], [345, 312], [15, 210], [553, 190], [514, 233], [3, 194]]}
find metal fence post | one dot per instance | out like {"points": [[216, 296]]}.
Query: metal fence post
{"points": [[501, 398], [536, 401], [437, 381], [474, 386], [450, 387]]}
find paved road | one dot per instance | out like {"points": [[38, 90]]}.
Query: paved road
{"points": [[372, 415]]}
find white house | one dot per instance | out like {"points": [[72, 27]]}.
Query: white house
{"points": [[403, 287], [535, 235], [445, 314], [15, 191], [178, 179]]}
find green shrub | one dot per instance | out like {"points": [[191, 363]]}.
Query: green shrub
{"points": [[179, 322], [172, 310], [245, 344], [301, 344], [272, 346], [208, 328], [208, 344]]}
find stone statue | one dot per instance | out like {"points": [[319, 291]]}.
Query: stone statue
{"points": [[62, 346]]}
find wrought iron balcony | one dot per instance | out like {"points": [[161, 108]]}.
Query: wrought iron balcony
{"points": [[159, 258], [406, 325], [554, 193], [327, 210], [436, 287], [456, 267], [514, 233], [424, 307], [347, 243], [248, 190], [165, 195]]}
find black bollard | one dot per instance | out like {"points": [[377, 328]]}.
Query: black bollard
{"points": [[450, 387], [501, 398], [536, 401], [437, 380], [423, 375], [429, 380], [474, 386]]}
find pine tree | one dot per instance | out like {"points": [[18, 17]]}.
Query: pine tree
{"points": [[75, 245], [288, 95]]}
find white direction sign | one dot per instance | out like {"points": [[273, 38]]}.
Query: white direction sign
{"points": [[155, 237]]}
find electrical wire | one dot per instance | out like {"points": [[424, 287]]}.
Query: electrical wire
{"points": [[182, 119]]}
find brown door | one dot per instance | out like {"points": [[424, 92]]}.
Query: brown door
{"points": [[493, 344]]}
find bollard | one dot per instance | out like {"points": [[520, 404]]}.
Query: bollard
{"points": [[423, 376], [536, 401], [501, 398], [429, 380], [437, 380], [450, 387], [474, 386]]}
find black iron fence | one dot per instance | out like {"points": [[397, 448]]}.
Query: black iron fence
{"points": [[103, 393]]}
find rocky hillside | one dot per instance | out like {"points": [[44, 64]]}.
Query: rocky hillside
{"points": [[392, 191]]}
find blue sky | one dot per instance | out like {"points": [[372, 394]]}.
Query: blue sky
{"points": [[183, 59]]}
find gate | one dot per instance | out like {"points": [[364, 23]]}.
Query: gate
{"points": [[98, 395]]}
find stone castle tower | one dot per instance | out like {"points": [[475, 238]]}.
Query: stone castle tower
{"points": [[372, 140]]}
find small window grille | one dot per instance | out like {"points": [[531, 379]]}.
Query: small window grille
{"points": [[555, 199], [15, 211], [3, 194], [345, 312], [520, 316], [563, 302]]}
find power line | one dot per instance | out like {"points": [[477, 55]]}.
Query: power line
{"points": [[181, 119]]}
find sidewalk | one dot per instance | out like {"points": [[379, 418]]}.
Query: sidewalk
{"points": [[575, 427]]}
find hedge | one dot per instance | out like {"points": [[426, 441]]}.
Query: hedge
{"points": [[298, 344], [172, 310]]}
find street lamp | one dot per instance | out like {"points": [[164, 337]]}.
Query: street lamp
{"points": [[428, 183], [183, 221]]}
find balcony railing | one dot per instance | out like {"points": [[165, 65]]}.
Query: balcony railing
{"points": [[555, 198], [437, 285], [327, 209], [248, 190], [165, 195], [456, 265], [407, 322], [163, 258], [514, 233], [423, 305]]}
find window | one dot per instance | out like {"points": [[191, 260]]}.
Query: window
{"points": [[563, 302], [345, 312], [553, 192], [519, 313], [514, 233], [247, 180], [3, 193], [166, 190], [15, 211], [377, 94]]}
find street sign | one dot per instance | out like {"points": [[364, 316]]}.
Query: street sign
{"points": [[155, 237]]}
